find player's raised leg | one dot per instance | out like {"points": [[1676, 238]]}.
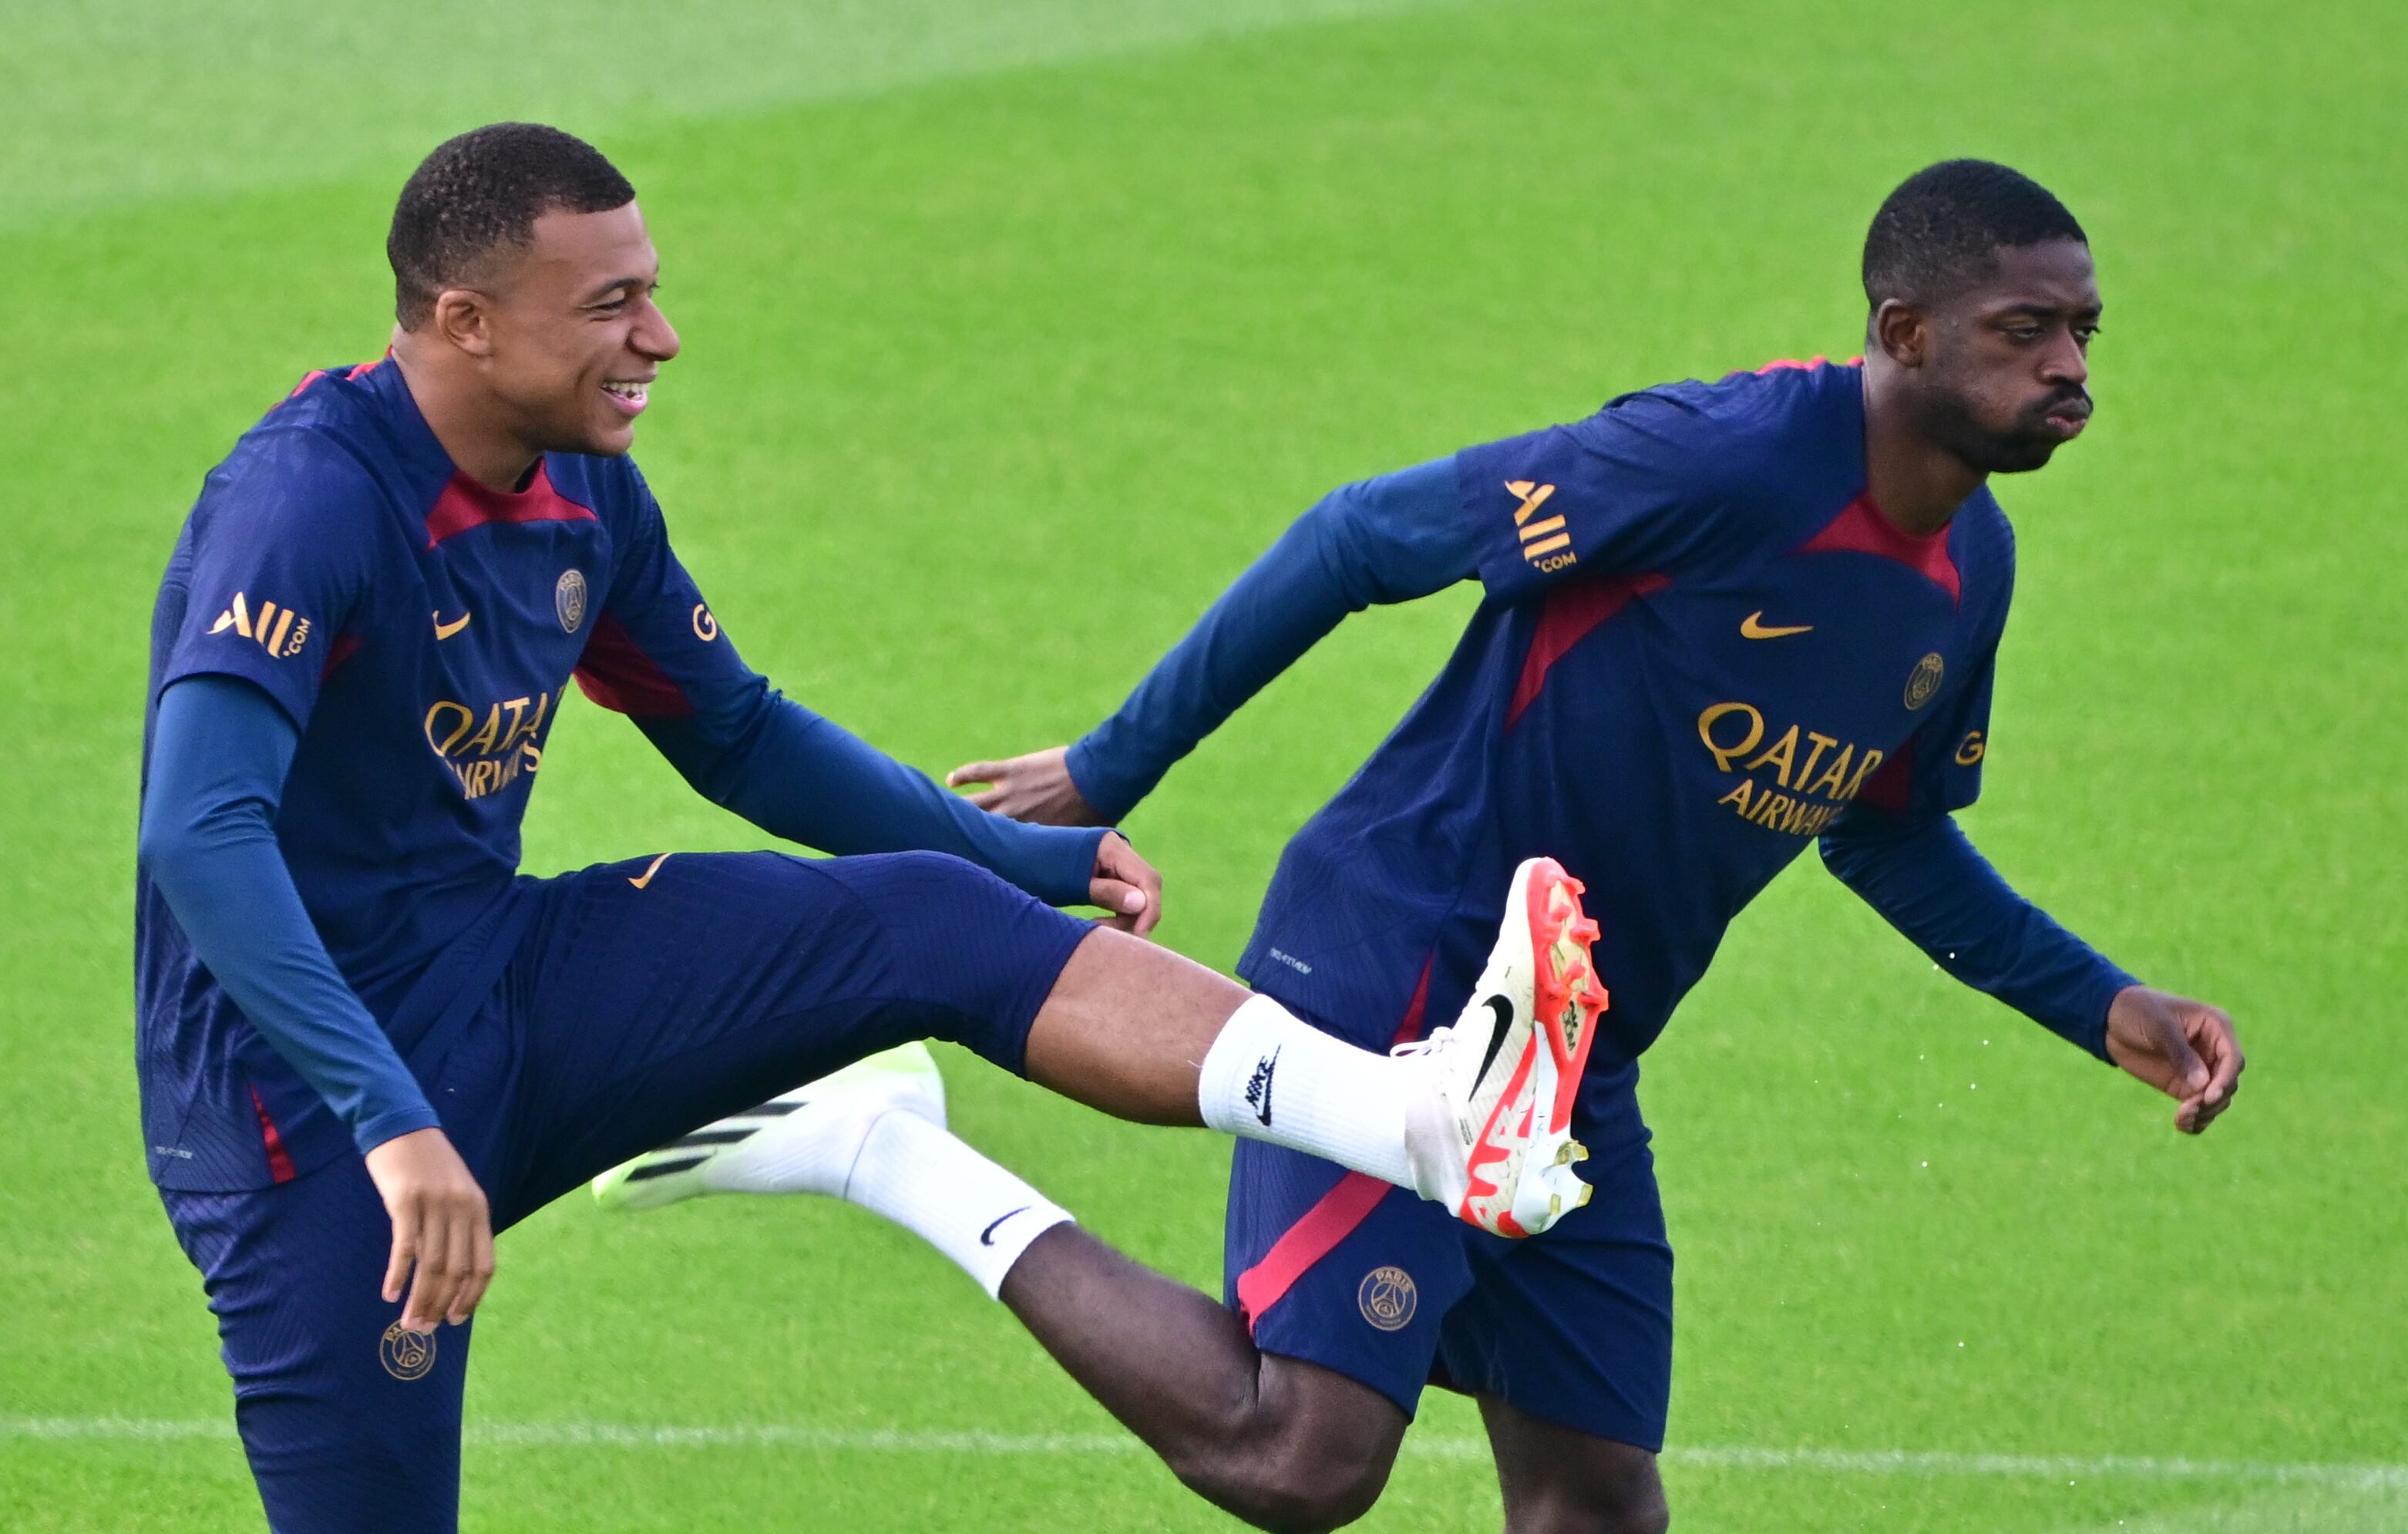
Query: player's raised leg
{"points": [[1477, 1117]]}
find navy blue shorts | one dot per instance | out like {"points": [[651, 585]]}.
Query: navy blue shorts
{"points": [[634, 1010], [1575, 1326]]}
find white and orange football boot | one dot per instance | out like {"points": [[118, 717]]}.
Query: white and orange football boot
{"points": [[1509, 1065]]}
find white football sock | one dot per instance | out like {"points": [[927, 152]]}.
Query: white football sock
{"points": [[1272, 1077], [922, 1178]]}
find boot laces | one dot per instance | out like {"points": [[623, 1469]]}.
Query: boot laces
{"points": [[1439, 1042]]}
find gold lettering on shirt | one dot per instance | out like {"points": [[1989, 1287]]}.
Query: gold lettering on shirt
{"points": [[502, 749], [1713, 717], [1796, 801], [280, 631], [1779, 756]]}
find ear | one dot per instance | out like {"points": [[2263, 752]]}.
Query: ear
{"points": [[1902, 332], [463, 317]]}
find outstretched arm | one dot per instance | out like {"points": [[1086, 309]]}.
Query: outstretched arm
{"points": [[809, 779], [1392, 539], [1929, 883]]}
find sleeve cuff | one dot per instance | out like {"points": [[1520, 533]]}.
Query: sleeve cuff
{"points": [[1069, 864], [370, 1133], [2088, 1026], [1109, 794], [280, 685]]}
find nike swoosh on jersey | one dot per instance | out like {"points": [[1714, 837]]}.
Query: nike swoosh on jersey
{"points": [[647, 879], [444, 630], [1753, 626]]}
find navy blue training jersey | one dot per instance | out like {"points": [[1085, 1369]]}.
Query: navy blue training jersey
{"points": [[1700, 644], [421, 630]]}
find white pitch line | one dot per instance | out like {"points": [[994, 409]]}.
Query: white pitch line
{"points": [[610, 1435], [2067, 1467]]}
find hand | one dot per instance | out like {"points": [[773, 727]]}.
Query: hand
{"points": [[1127, 885], [1036, 787], [2183, 1048], [440, 1227]]}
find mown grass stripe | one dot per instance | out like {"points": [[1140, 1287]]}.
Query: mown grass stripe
{"points": [[612, 1434]]}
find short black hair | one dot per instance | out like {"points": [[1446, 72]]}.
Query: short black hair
{"points": [[1942, 230], [484, 188]]}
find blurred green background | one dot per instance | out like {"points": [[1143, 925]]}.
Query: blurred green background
{"points": [[1013, 331]]}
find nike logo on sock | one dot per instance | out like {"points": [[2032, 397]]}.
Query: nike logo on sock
{"points": [[1503, 1007], [1258, 1088], [986, 1237]]}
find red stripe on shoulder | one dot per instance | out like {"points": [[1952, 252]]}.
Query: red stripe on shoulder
{"points": [[362, 370], [1860, 528], [615, 672], [467, 504], [1572, 610], [1780, 364]]}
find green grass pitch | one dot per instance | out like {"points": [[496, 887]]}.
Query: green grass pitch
{"points": [[1013, 330]]}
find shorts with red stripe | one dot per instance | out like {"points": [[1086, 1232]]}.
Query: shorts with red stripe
{"points": [[1575, 1326]]}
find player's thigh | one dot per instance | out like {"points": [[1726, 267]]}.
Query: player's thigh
{"points": [[1574, 1327], [1340, 1270], [1558, 1479], [348, 1423], [658, 994]]}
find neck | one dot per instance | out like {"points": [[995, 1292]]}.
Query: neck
{"points": [[461, 416], [1915, 483]]}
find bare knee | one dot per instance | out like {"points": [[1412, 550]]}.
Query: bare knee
{"points": [[1557, 1481], [1309, 1451], [1296, 1482], [1592, 1509], [1645, 1512], [1642, 1513]]}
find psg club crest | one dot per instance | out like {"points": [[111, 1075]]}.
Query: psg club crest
{"points": [[406, 1354], [1923, 683], [1388, 1297], [568, 600]]}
